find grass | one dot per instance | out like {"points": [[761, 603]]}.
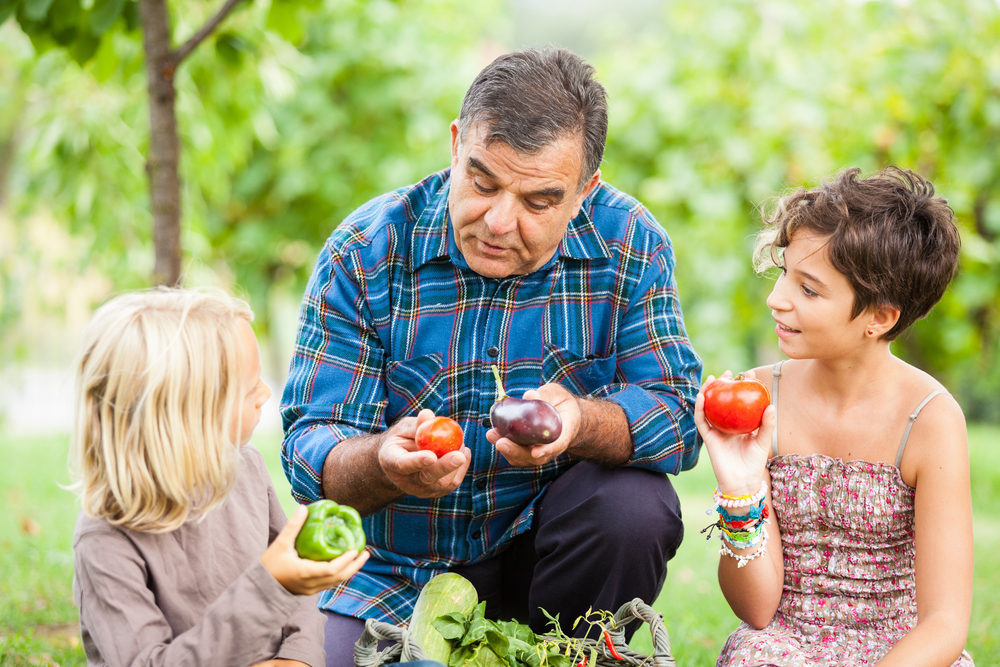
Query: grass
{"points": [[38, 621]]}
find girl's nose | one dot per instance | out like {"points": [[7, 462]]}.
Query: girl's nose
{"points": [[776, 299]]}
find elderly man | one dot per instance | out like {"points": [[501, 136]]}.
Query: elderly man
{"points": [[517, 256]]}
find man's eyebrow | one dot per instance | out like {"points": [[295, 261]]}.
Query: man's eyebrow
{"points": [[479, 166], [555, 193]]}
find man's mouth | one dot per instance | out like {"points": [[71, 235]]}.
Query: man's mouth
{"points": [[490, 247]]}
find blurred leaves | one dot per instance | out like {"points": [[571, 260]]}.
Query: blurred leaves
{"points": [[300, 110]]}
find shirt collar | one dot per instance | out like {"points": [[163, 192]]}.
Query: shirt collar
{"points": [[432, 237]]}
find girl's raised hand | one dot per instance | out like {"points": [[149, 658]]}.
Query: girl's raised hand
{"points": [[739, 461], [302, 576]]}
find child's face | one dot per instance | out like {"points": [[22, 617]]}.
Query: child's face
{"points": [[812, 301], [253, 392]]}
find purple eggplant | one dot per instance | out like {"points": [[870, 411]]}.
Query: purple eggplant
{"points": [[525, 421]]}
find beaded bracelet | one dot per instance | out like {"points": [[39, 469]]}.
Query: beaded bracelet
{"points": [[735, 502], [741, 559]]}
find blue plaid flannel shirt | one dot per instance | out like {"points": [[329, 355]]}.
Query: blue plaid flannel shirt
{"points": [[393, 320]]}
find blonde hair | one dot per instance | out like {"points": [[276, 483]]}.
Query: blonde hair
{"points": [[157, 383]]}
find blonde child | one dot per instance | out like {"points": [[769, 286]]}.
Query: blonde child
{"points": [[845, 519], [182, 552]]}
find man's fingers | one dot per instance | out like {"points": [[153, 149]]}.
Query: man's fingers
{"points": [[402, 462]]}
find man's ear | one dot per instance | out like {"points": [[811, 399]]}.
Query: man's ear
{"points": [[454, 143], [586, 190]]}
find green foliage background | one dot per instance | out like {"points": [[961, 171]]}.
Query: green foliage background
{"points": [[296, 112]]}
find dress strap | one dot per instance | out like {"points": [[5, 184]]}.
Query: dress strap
{"points": [[913, 418], [775, 376]]}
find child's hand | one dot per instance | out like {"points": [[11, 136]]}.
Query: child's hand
{"points": [[302, 576], [739, 461]]}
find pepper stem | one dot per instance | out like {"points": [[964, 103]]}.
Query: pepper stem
{"points": [[501, 394]]}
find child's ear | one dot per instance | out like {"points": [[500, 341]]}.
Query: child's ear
{"points": [[882, 319]]}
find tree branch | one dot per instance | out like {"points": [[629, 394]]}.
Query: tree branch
{"points": [[197, 38]]}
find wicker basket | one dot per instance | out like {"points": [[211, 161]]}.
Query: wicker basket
{"points": [[403, 647]]}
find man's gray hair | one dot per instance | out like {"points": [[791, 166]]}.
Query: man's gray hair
{"points": [[530, 98]]}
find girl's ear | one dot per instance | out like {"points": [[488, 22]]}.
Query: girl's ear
{"points": [[882, 319]]}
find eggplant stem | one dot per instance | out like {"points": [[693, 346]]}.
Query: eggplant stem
{"points": [[501, 394]]}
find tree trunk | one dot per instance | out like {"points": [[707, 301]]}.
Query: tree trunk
{"points": [[162, 167]]}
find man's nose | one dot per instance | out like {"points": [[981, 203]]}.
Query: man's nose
{"points": [[501, 217]]}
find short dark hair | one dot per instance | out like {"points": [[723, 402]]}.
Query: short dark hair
{"points": [[527, 99], [888, 234]]}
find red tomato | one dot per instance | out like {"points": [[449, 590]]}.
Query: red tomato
{"points": [[439, 435], [736, 406]]}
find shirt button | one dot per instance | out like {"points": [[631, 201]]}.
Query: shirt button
{"points": [[487, 423], [493, 351], [481, 483], [476, 534]]}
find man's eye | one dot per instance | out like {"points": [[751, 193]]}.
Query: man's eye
{"points": [[484, 189], [537, 206]]}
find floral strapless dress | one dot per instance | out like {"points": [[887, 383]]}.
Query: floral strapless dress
{"points": [[849, 593]]}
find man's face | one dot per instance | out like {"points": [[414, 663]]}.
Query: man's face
{"points": [[510, 211]]}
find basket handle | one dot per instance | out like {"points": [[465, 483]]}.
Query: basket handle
{"points": [[639, 610], [366, 653]]}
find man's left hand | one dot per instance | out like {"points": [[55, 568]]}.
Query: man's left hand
{"points": [[568, 407]]}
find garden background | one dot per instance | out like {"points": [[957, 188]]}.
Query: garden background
{"points": [[290, 113]]}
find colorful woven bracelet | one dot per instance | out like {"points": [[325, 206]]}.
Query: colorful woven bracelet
{"points": [[751, 540], [759, 511]]}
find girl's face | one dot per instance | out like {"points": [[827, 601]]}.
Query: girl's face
{"points": [[253, 392], [812, 301]]}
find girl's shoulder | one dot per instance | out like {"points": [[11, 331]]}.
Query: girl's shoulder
{"points": [[933, 406], [934, 429], [764, 374]]}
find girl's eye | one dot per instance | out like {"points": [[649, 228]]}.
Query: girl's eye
{"points": [[808, 292]]}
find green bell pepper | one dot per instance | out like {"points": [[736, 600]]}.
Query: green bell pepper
{"points": [[329, 530]]}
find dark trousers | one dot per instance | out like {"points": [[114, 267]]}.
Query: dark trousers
{"points": [[600, 537]]}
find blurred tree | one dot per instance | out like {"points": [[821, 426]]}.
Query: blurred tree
{"points": [[78, 26], [297, 112]]}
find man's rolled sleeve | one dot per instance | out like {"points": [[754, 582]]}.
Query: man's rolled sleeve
{"points": [[663, 373]]}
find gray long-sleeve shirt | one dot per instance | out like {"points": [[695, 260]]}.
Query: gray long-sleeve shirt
{"points": [[198, 595]]}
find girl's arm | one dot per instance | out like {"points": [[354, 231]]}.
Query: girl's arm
{"points": [[740, 466], [938, 452], [120, 617], [302, 632]]}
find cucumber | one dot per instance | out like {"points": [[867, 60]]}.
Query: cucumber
{"points": [[443, 594]]}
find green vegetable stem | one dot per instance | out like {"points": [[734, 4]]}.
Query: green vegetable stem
{"points": [[329, 531]]}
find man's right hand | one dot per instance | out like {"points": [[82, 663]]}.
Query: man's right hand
{"points": [[417, 472]]}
